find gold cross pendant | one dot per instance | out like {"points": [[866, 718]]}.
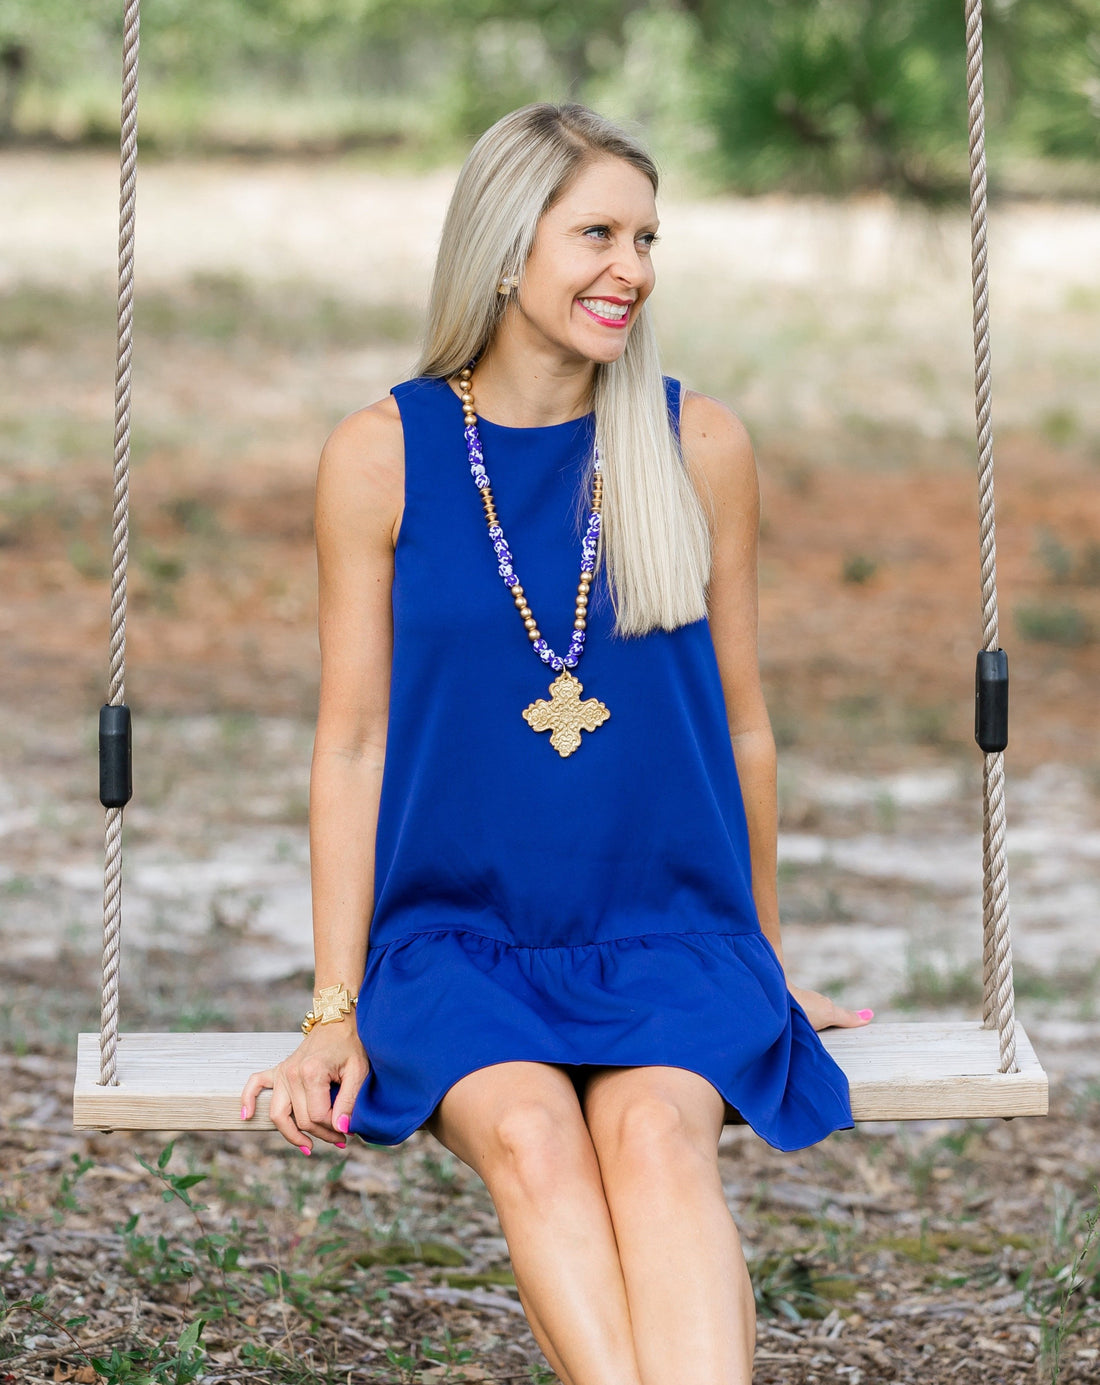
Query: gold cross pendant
{"points": [[565, 715]]}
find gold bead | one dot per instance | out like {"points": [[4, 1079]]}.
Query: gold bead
{"points": [[524, 610], [529, 621], [517, 590], [579, 623], [533, 635], [467, 398], [465, 373], [582, 599]]}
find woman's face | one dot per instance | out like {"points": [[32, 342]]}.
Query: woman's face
{"points": [[590, 271]]}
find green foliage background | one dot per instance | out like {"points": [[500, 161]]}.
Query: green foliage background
{"points": [[831, 95]]}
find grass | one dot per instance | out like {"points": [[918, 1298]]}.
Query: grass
{"points": [[938, 983], [1061, 624], [212, 310], [858, 569], [1064, 1292]]}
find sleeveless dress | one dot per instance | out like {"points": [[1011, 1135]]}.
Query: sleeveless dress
{"points": [[588, 911]]}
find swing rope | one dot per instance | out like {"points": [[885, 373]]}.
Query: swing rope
{"points": [[116, 682], [998, 1006], [997, 989]]}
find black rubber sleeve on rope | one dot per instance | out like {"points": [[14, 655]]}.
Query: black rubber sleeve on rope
{"points": [[991, 700], [116, 774]]}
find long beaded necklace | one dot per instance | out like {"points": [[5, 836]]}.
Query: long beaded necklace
{"points": [[565, 716]]}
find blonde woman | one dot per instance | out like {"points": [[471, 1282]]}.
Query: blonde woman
{"points": [[543, 803]]}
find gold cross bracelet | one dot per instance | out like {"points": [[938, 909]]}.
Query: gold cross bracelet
{"points": [[330, 1004]]}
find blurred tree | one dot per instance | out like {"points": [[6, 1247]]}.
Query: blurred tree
{"points": [[840, 94], [825, 94], [40, 38]]}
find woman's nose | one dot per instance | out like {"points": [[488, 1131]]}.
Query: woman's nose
{"points": [[629, 266]]}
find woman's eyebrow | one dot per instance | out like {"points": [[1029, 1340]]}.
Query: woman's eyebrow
{"points": [[590, 218]]}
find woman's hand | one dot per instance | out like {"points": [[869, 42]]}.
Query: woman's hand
{"points": [[301, 1105], [824, 1013]]}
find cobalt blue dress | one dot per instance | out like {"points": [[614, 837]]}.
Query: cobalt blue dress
{"points": [[592, 910]]}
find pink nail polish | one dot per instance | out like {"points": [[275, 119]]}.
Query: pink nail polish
{"points": [[244, 1113], [305, 1150], [342, 1145], [342, 1123], [866, 1014]]}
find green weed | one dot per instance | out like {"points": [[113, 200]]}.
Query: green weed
{"points": [[1063, 624], [787, 1286], [858, 569], [66, 1194], [147, 1362], [1054, 556], [1060, 426], [931, 985], [408, 1365], [163, 1261], [1069, 1288]]}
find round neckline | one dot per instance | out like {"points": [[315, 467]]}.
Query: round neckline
{"points": [[509, 428]]}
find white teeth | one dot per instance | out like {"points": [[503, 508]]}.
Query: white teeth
{"points": [[602, 308]]}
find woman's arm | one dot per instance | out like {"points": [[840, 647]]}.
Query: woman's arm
{"points": [[360, 483], [719, 454]]}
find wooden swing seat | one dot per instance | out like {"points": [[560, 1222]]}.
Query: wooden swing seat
{"points": [[927, 1070]]}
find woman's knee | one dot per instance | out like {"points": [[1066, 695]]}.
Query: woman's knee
{"points": [[655, 1135], [539, 1147], [517, 1123]]}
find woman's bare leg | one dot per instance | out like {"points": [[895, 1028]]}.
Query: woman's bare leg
{"points": [[655, 1131], [521, 1128]]}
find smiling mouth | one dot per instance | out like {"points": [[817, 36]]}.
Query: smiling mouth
{"points": [[610, 314]]}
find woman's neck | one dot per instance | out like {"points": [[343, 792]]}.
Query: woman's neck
{"points": [[529, 391]]}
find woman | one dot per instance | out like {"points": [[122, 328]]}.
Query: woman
{"points": [[575, 969]]}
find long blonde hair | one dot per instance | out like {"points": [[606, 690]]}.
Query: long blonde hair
{"points": [[655, 539]]}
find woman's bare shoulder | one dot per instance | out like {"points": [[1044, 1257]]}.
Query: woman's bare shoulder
{"points": [[362, 468], [709, 426], [374, 430]]}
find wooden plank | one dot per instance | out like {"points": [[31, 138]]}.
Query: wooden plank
{"points": [[909, 1071], [176, 1081], [928, 1070]]}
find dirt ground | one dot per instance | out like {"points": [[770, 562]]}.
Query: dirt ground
{"points": [[841, 334]]}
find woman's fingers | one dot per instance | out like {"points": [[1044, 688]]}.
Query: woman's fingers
{"points": [[288, 1104], [850, 1019], [282, 1117], [302, 1109], [257, 1083], [352, 1078], [824, 1013]]}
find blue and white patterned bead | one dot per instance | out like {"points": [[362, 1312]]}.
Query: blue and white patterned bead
{"points": [[505, 564]]}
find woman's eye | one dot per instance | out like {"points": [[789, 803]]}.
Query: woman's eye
{"points": [[648, 239]]}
